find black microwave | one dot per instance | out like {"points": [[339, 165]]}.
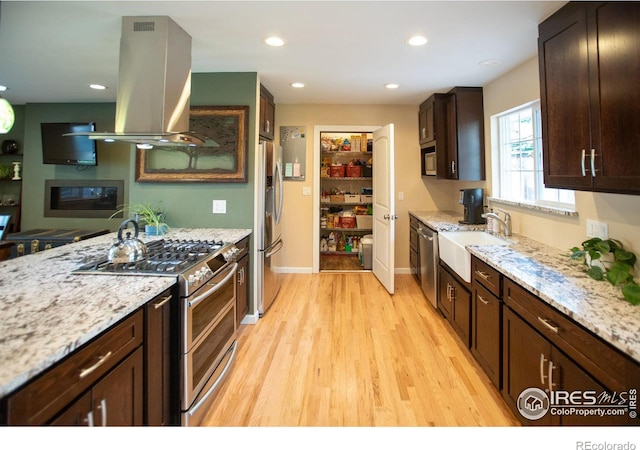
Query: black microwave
{"points": [[428, 163]]}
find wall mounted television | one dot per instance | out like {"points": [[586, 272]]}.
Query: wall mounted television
{"points": [[69, 150]]}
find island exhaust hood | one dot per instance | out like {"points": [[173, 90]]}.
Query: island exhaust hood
{"points": [[154, 85]]}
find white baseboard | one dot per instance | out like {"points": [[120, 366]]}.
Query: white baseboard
{"points": [[250, 319], [293, 269], [402, 271]]}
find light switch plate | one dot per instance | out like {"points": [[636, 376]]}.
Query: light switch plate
{"points": [[597, 229], [306, 190], [219, 207]]}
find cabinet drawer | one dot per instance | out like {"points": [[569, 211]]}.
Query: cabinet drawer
{"points": [[486, 275], [41, 399], [611, 367]]}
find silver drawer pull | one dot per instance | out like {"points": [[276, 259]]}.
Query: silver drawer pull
{"points": [[546, 323], [481, 298], [483, 275], [162, 302], [87, 371], [584, 154]]}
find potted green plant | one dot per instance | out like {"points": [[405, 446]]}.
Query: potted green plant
{"points": [[608, 260], [153, 218]]}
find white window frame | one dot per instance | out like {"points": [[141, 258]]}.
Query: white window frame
{"points": [[500, 157]]}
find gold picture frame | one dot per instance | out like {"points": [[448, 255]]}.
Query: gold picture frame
{"points": [[222, 160]]}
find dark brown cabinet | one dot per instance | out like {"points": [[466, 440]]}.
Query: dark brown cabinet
{"points": [[161, 360], [452, 126], [589, 77], [427, 118], [414, 249], [454, 301], [116, 400], [486, 321], [107, 372], [242, 280], [544, 349], [463, 155], [267, 114]]}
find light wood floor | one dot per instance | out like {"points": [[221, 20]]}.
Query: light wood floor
{"points": [[335, 349]]}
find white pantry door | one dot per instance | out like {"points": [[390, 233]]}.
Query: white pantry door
{"points": [[383, 264]]}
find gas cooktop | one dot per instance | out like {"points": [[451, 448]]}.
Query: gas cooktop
{"points": [[164, 257], [193, 262]]}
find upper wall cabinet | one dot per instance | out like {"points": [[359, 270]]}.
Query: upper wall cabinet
{"points": [[451, 125], [589, 78], [267, 114]]}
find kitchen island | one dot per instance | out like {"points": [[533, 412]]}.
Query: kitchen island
{"points": [[550, 274], [47, 312]]}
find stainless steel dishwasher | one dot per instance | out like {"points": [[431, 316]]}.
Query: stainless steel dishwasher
{"points": [[428, 241]]}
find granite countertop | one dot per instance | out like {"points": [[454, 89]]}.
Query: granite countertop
{"points": [[46, 311], [559, 281], [445, 221]]}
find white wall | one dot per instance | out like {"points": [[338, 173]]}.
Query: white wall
{"points": [[521, 85], [620, 212]]}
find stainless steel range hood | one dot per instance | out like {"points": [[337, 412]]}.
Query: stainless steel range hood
{"points": [[154, 85]]}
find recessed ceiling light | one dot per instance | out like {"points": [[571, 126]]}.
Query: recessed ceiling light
{"points": [[490, 62], [297, 85], [417, 41], [98, 87], [391, 86], [3, 88], [274, 41]]}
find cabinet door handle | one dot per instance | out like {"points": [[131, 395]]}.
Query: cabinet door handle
{"points": [[593, 162], [88, 370], [162, 302], [241, 275], [453, 167], [481, 298], [550, 376], [482, 275], [89, 419], [546, 323], [103, 411], [267, 126], [584, 155], [542, 375]]}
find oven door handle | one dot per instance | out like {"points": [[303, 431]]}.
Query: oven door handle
{"points": [[233, 349], [218, 285]]}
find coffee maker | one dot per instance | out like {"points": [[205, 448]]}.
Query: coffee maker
{"points": [[473, 201]]}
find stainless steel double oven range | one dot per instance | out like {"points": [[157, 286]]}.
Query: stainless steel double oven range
{"points": [[207, 308]]}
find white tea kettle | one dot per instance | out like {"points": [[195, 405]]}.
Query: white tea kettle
{"points": [[129, 249]]}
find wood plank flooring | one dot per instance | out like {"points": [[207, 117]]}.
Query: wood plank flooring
{"points": [[335, 349]]}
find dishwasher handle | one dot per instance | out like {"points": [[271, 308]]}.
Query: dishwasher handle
{"points": [[420, 231]]}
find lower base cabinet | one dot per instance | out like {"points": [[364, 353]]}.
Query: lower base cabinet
{"points": [[116, 400], [455, 303], [161, 360], [486, 332], [242, 280], [530, 361]]}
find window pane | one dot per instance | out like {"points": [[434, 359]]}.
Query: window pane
{"points": [[521, 174]]}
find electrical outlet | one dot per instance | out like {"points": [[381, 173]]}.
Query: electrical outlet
{"points": [[400, 195], [219, 207], [597, 229]]}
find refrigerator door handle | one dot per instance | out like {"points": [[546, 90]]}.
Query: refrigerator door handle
{"points": [[280, 192], [275, 248]]}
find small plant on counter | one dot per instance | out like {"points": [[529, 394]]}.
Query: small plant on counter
{"points": [[146, 215], [608, 260]]}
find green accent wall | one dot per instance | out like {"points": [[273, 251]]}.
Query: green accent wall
{"points": [[187, 204]]}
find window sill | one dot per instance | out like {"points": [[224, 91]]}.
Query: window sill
{"points": [[555, 210]]}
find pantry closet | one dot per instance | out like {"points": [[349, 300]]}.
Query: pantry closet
{"points": [[346, 200]]}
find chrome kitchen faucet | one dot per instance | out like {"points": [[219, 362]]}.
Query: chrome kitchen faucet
{"points": [[506, 223]]}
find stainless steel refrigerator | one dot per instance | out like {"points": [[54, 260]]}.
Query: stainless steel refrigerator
{"points": [[269, 236]]}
